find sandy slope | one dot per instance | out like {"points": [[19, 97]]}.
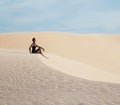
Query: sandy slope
{"points": [[78, 69], [100, 51], [97, 55], [25, 80]]}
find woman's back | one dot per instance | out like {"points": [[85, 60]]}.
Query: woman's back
{"points": [[33, 48]]}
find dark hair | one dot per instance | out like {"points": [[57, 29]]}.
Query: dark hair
{"points": [[33, 39]]}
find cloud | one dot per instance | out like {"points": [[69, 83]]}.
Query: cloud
{"points": [[80, 16]]}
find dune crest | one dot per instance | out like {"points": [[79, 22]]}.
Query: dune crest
{"points": [[98, 50], [77, 72], [81, 70], [25, 80]]}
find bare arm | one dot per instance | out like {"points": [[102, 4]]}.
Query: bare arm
{"points": [[41, 47], [30, 48]]}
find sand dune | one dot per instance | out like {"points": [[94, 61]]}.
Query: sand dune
{"points": [[100, 51], [77, 72], [25, 80], [78, 69]]}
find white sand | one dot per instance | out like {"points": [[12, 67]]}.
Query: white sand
{"points": [[78, 69], [64, 78], [100, 51], [25, 80], [97, 55]]}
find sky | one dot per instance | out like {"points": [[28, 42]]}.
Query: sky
{"points": [[76, 16]]}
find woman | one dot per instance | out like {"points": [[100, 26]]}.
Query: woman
{"points": [[35, 48]]}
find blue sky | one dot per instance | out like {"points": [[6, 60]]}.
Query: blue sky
{"points": [[76, 16]]}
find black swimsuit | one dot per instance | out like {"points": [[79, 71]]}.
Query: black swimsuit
{"points": [[34, 49]]}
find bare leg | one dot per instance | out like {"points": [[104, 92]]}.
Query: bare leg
{"points": [[44, 55], [40, 52]]}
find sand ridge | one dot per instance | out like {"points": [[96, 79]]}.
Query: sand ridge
{"points": [[78, 69], [25, 80], [81, 69], [73, 68], [98, 50]]}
